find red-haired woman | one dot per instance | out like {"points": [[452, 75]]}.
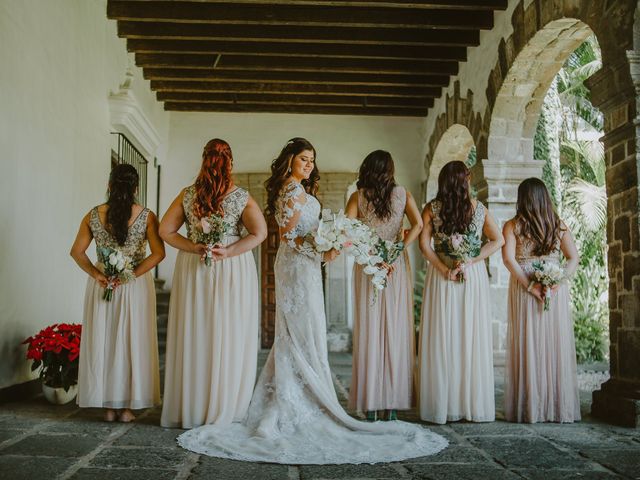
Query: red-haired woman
{"points": [[456, 357], [541, 384], [212, 336]]}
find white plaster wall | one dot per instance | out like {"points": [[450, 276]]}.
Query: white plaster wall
{"points": [[341, 143], [59, 62]]}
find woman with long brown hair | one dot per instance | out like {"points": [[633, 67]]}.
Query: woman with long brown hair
{"points": [[212, 336], [540, 380], [456, 355], [383, 332], [295, 416], [119, 368]]}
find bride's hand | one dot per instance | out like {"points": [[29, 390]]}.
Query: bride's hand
{"points": [[390, 268], [330, 256]]}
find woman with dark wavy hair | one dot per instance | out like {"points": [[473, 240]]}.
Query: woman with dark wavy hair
{"points": [[383, 331], [456, 354], [295, 416], [212, 334], [118, 367], [541, 383]]}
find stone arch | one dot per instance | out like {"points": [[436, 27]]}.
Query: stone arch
{"points": [[455, 144], [510, 158], [459, 112]]}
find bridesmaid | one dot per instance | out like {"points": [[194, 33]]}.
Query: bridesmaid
{"points": [[540, 382], [383, 331], [456, 357], [212, 337], [118, 367]]}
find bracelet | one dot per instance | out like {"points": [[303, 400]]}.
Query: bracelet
{"points": [[530, 287]]}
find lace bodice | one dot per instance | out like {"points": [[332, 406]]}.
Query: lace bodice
{"points": [[297, 214], [233, 205], [525, 247], [440, 238], [389, 228], [135, 245]]}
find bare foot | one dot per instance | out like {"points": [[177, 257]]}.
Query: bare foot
{"points": [[110, 415], [126, 416]]}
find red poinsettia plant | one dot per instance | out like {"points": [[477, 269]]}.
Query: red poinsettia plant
{"points": [[55, 350]]}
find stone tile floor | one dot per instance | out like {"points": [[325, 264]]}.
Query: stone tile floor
{"points": [[38, 440]]}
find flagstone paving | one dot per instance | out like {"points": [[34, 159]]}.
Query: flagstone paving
{"points": [[38, 440]]}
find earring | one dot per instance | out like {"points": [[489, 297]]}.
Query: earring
{"points": [[289, 171]]}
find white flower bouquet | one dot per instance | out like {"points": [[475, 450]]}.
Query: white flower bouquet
{"points": [[331, 231], [117, 267], [549, 274], [210, 231], [462, 247]]}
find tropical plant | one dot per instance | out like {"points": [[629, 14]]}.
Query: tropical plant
{"points": [[567, 139]]}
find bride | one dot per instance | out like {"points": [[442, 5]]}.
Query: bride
{"points": [[295, 416]]}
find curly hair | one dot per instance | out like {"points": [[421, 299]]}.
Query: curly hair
{"points": [[456, 211], [536, 219], [375, 179], [123, 182], [280, 172], [214, 178]]}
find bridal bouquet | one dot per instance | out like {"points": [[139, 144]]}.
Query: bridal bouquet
{"points": [[549, 274], [210, 231], [117, 267], [462, 247], [331, 232]]}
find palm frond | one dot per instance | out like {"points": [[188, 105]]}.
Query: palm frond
{"points": [[589, 201]]}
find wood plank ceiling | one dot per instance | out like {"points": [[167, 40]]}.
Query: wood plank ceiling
{"points": [[365, 57]]}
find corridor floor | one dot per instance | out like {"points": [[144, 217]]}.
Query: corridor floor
{"points": [[39, 440]]}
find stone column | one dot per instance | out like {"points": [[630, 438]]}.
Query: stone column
{"points": [[331, 193], [618, 400], [502, 180]]}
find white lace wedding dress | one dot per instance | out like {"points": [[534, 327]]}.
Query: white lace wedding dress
{"points": [[295, 416]]}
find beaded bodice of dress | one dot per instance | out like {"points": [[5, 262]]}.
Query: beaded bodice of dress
{"points": [[135, 246], [525, 247], [233, 205], [440, 238], [389, 228]]}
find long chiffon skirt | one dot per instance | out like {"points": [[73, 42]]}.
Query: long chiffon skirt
{"points": [[119, 349], [212, 341], [540, 380], [456, 355], [383, 342]]}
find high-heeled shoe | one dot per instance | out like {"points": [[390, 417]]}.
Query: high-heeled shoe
{"points": [[392, 415], [372, 415], [126, 416]]}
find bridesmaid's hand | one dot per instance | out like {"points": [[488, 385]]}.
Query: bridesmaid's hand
{"points": [[100, 277], [390, 268], [199, 249], [537, 290], [330, 256], [219, 253]]}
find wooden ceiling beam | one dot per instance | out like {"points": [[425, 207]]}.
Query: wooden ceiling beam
{"points": [[407, 52], [295, 109], [283, 33], [217, 63], [296, 77], [419, 4], [319, 88], [298, 14], [297, 99]]}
